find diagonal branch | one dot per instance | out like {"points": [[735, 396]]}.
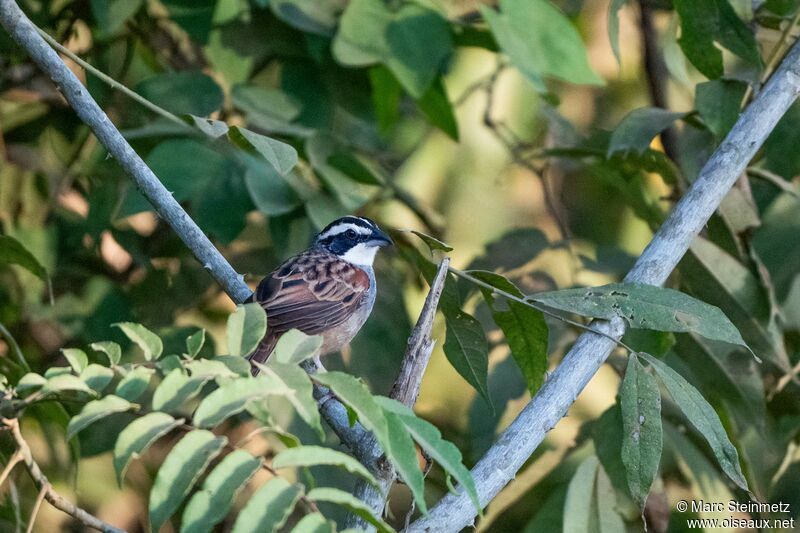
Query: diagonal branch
{"points": [[516, 444], [46, 489]]}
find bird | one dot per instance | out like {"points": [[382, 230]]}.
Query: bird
{"points": [[328, 290]]}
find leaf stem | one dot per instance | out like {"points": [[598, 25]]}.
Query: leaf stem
{"points": [[526, 301], [114, 84]]}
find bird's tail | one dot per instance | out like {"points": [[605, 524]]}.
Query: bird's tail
{"points": [[262, 353]]}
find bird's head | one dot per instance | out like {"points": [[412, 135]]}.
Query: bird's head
{"points": [[354, 239]]}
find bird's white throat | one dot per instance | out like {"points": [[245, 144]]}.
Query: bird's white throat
{"points": [[361, 254]]}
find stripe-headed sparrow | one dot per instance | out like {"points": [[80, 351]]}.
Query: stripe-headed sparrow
{"points": [[327, 290]]}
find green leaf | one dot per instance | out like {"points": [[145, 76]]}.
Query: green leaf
{"points": [[94, 411], [97, 376], [30, 382], [66, 382], [417, 62], [540, 41], [12, 252], [436, 107], [524, 327], [467, 350], [195, 342], [269, 508], [269, 109], [183, 92], [135, 383], [303, 456], [212, 368], [137, 437], [246, 327], [281, 156], [703, 24], [703, 417], [430, 439], [214, 129], [608, 518], [403, 454], [180, 470], [209, 505], [719, 278], [301, 394], [231, 398], [111, 15], [637, 129], [270, 192], [294, 347], [310, 16], [314, 523], [578, 516], [176, 389], [355, 394], [111, 349], [370, 33], [613, 26], [640, 402], [719, 103], [149, 342], [433, 243], [77, 359], [646, 307], [350, 502], [386, 95]]}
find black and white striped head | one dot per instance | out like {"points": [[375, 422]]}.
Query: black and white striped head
{"points": [[354, 239]]}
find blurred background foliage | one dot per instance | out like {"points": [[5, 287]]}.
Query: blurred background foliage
{"points": [[503, 130]]}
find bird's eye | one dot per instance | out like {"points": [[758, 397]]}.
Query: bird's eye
{"points": [[350, 234]]}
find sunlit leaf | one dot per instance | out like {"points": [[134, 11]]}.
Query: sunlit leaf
{"points": [[195, 342], [77, 359], [281, 156], [231, 398], [209, 505], [301, 395], [149, 342], [403, 454], [176, 389], [137, 437], [314, 523], [97, 376], [578, 511], [294, 347], [180, 470], [353, 504], [355, 394], [246, 327], [111, 349], [303, 456], [96, 410], [269, 508], [66, 382], [135, 383]]}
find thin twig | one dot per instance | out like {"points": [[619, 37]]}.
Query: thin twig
{"points": [[35, 511], [114, 84], [41, 482], [15, 459]]}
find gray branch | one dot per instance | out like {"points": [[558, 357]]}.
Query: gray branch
{"points": [[516, 444]]}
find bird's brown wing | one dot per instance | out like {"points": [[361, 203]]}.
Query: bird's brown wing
{"points": [[312, 292]]}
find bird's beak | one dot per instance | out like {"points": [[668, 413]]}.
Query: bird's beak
{"points": [[380, 238]]}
